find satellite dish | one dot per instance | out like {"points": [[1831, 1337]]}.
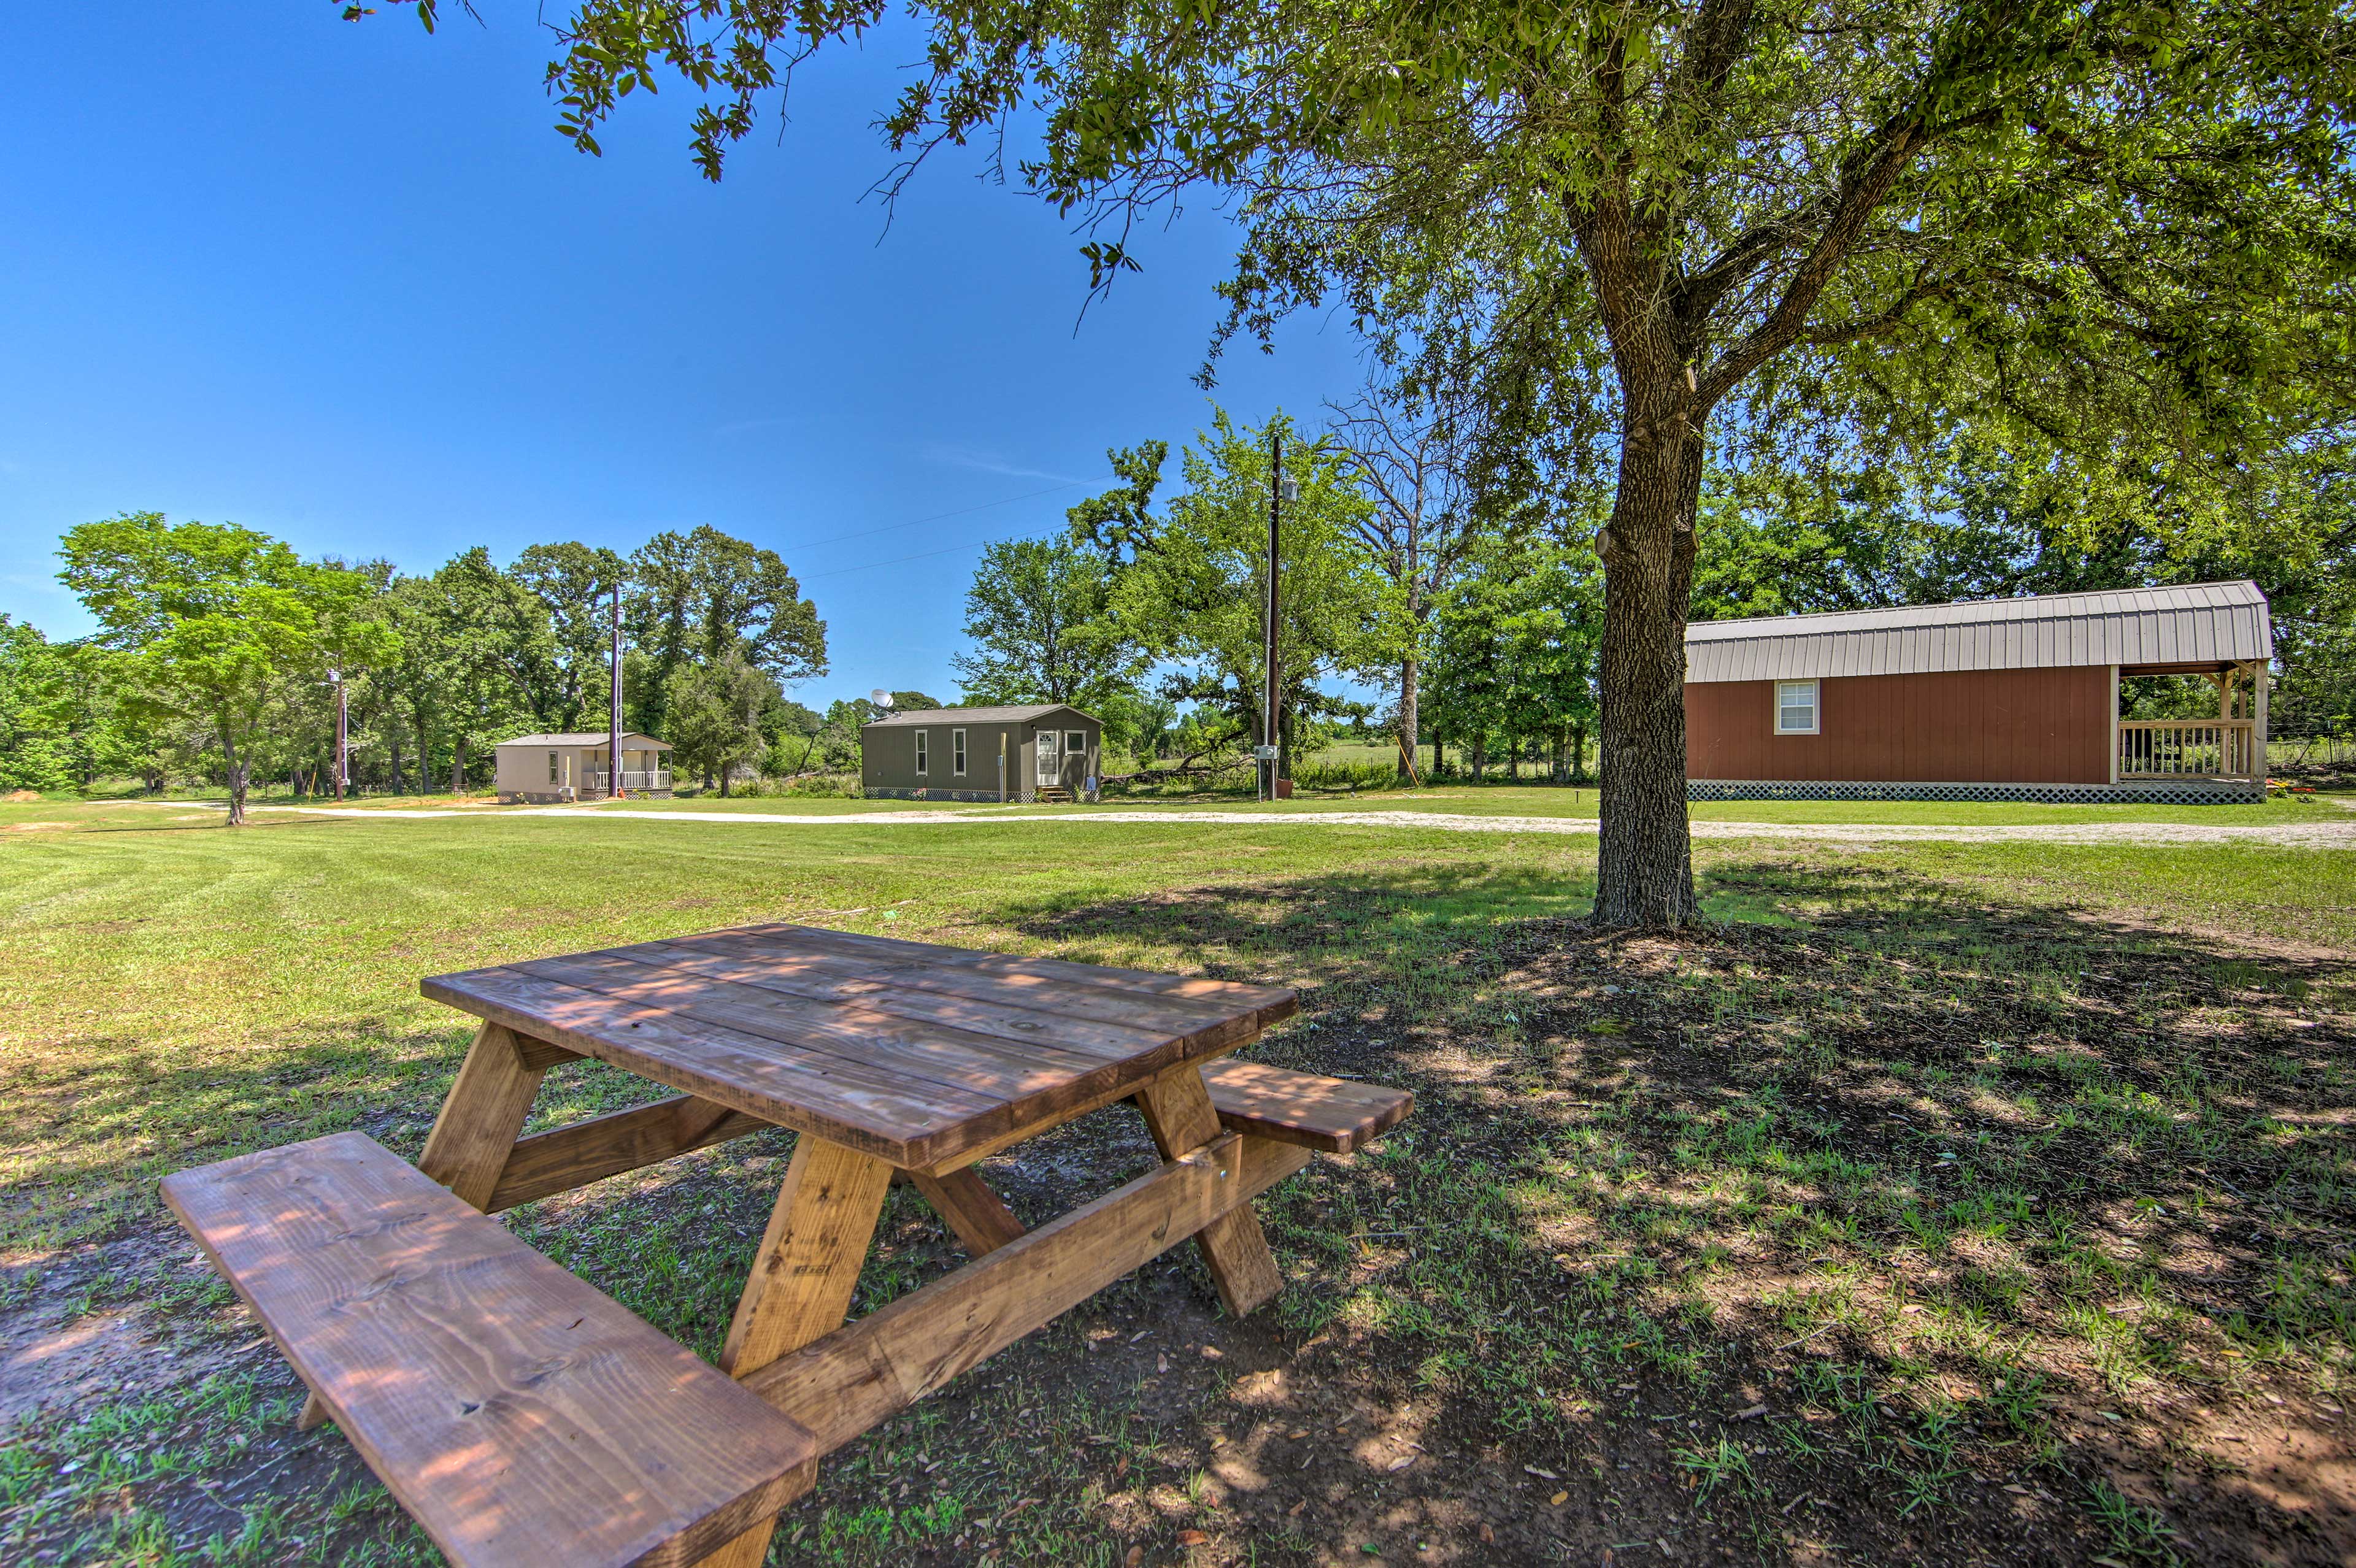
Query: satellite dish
{"points": [[881, 698]]}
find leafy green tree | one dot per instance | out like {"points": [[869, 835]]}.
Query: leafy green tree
{"points": [[1039, 614], [573, 583], [702, 594], [1519, 633], [1666, 225], [218, 621], [35, 709], [1194, 590], [715, 713]]}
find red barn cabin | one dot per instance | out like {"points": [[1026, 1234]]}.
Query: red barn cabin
{"points": [[2007, 699]]}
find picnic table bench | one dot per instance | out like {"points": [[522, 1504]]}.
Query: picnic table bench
{"points": [[523, 1417]]}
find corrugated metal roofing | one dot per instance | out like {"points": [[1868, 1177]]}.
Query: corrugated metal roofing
{"points": [[587, 738], [2201, 622], [977, 715]]}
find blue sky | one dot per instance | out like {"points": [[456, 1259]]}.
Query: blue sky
{"points": [[342, 283]]}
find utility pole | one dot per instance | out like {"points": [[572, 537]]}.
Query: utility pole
{"points": [[1267, 720], [614, 714], [343, 735]]}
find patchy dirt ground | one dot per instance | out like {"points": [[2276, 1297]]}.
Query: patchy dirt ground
{"points": [[1906, 1228]]}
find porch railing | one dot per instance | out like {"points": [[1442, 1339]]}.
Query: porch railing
{"points": [[632, 778], [2188, 748]]}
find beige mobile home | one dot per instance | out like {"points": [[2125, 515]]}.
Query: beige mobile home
{"points": [[546, 769], [1048, 751]]}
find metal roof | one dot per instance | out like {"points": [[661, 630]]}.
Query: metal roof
{"points": [[585, 738], [2201, 622], [1018, 715]]}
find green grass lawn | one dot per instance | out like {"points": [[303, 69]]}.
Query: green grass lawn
{"points": [[2013, 1182]]}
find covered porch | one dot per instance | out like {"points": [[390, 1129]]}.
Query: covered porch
{"points": [[2228, 748]]}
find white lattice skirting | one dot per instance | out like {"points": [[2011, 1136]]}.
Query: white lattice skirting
{"points": [[2192, 792]]}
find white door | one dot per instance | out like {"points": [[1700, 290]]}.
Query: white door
{"points": [[1051, 769]]}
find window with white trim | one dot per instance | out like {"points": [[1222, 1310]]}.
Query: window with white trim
{"points": [[924, 751], [1796, 706], [552, 767], [957, 753]]}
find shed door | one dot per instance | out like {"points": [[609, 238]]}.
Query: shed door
{"points": [[1050, 769]]}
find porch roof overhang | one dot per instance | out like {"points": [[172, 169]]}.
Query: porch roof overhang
{"points": [[2198, 627]]}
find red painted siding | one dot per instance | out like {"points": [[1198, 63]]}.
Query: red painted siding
{"points": [[1997, 726]]}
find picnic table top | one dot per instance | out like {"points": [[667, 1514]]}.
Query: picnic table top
{"points": [[911, 1051]]}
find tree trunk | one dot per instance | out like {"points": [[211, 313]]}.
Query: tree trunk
{"points": [[1476, 756], [236, 777], [1408, 727], [395, 733], [458, 765], [1578, 752], [1439, 761], [1643, 875]]}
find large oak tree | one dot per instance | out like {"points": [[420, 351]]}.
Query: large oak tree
{"points": [[1664, 225]]}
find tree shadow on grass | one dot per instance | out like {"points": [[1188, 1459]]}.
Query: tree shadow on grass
{"points": [[1885, 1220], [1970, 1196]]}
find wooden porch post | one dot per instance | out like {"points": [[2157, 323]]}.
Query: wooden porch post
{"points": [[2258, 682], [2112, 727]]}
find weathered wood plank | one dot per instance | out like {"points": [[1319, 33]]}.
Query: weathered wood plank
{"points": [[918, 1053], [481, 1116], [845, 1384], [562, 1158], [520, 1416], [1099, 1028], [1270, 1003], [810, 1260], [1179, 1114], [839, 1099], [1335, 1114], [922, 971], [979, 1217]]}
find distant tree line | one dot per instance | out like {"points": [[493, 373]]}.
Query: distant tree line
{"points": [[219, 650]]}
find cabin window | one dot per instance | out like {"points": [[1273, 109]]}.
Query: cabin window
{"points": [[1796, 707], [957, 753], [924, 751], [552, 767], [1076, 744]]}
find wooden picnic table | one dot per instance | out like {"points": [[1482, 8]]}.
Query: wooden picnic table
{"points": [[886, 1056], [525, 1419]]}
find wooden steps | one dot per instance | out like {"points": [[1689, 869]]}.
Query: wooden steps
{"points": [[522, 1416], [1335, 1114], [1051, 794]]}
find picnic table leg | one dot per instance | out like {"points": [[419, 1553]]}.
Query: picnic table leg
{"points": [[803, 1276], [979, 1217], [480, 1123], [1179, 1112]]}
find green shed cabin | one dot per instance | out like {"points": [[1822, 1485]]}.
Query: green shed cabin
{"points": [[1049, 752]]}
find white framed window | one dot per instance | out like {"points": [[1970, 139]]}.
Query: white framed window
{"points": [[924, 751], [552, 767], [1075, 745], [957, 753], [1050, 764], [1797, 709]]}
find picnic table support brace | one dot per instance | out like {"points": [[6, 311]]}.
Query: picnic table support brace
{"points": [[979, 1217], [864, 1373], [1179, 1112]]}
